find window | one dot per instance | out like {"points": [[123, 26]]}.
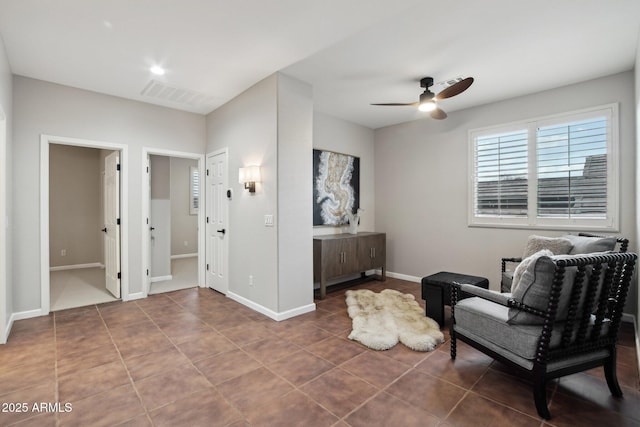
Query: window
{"points": [[557, 172], [194, 184]]}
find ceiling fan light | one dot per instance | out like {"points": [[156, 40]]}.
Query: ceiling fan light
{"points": [[427, 106], [157, 70]]}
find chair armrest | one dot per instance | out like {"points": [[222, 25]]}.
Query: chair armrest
{"points": [[493, 296], [501, 298], [506, 260]]}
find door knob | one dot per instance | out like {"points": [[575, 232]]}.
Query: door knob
{"points": [[152, 228], [104, 230], [222, 231]]}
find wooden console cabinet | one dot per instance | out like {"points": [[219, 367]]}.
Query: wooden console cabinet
{"points": [[336, 255]]}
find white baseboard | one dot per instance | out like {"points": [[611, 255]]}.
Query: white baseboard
{"points": [[19, 316], [629, 318], [184, 256], [270, 313], [7, 331], [404, 277], [137, 295], [77, 266], [160, 278]]}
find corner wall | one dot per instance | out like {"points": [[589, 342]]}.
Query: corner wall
{"points": [[422, 182], [295, 237], [637, 189], [269, 125], [248, 126], [47, 108], [6, 203]]}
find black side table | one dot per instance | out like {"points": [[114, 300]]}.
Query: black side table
{"points": [[436, 290]]}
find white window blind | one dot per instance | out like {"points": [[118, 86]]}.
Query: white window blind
{"points": [[554, 172], [572, 169], [501, 174], [194, 200]]}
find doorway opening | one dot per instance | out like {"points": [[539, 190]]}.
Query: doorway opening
{"points": [[172, 243], [83, 223]]}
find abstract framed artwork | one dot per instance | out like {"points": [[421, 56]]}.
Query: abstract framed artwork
{"points": [[336, 187]]}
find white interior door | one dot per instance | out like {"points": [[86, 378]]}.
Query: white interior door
{"points": [[112, 222], [216, 225], [160, 240]]}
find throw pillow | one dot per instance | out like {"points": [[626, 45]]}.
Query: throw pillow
{"points": [[588, 245], [520, 269], [557, 245]]}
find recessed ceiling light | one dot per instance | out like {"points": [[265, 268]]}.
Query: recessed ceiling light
{"points": [[157, 70]]}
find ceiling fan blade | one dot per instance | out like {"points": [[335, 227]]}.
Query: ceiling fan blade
{"points": [[455, 89], [438, 114], [398, 104]]}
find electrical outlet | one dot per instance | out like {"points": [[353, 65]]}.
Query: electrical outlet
{"points": [[251, 280], [268, 220], [186, 243], [63, 252]]}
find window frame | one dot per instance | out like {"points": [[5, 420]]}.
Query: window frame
{"points": [[194, 190], [531, 220]]}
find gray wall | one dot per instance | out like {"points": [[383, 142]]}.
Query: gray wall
{"points": [[295, 243], [637, 190], [333, 134], [184, 226], [47, 108], [248, 126], [170, 180], [262, 126], [75, 205], [422, 177], [6, 191]]}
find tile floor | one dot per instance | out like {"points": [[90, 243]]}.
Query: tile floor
{"points": [[193, 357]]}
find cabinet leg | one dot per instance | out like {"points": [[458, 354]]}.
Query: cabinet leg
{"points": [[323, 289]]}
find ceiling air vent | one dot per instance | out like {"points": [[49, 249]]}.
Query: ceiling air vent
{"points": [[163, 92]]}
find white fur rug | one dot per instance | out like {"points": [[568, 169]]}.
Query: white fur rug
{"points": [[382, 319]]}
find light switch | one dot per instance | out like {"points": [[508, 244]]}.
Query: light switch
{"points": [[268, 220]]}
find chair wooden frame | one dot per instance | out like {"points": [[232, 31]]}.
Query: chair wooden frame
{"points": [[624, 245], [583, 331]]}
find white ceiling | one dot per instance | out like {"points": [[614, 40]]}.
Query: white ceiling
{"points": [[353, 52]]}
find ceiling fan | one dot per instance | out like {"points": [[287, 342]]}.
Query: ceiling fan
{"points": [[428, 100]]}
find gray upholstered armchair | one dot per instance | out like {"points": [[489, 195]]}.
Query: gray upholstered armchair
{"points": [[562, 318], [582, 243]]}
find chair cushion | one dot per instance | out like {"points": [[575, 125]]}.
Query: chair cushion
{"points": [[489, 320], [521, 268], [557, 245], [487, 323], [587, 245]]}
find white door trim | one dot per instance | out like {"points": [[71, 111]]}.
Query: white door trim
{"points": [[45, 141], [146, 211]]}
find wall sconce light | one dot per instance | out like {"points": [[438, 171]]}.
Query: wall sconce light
{"points": [[249, 176]]}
